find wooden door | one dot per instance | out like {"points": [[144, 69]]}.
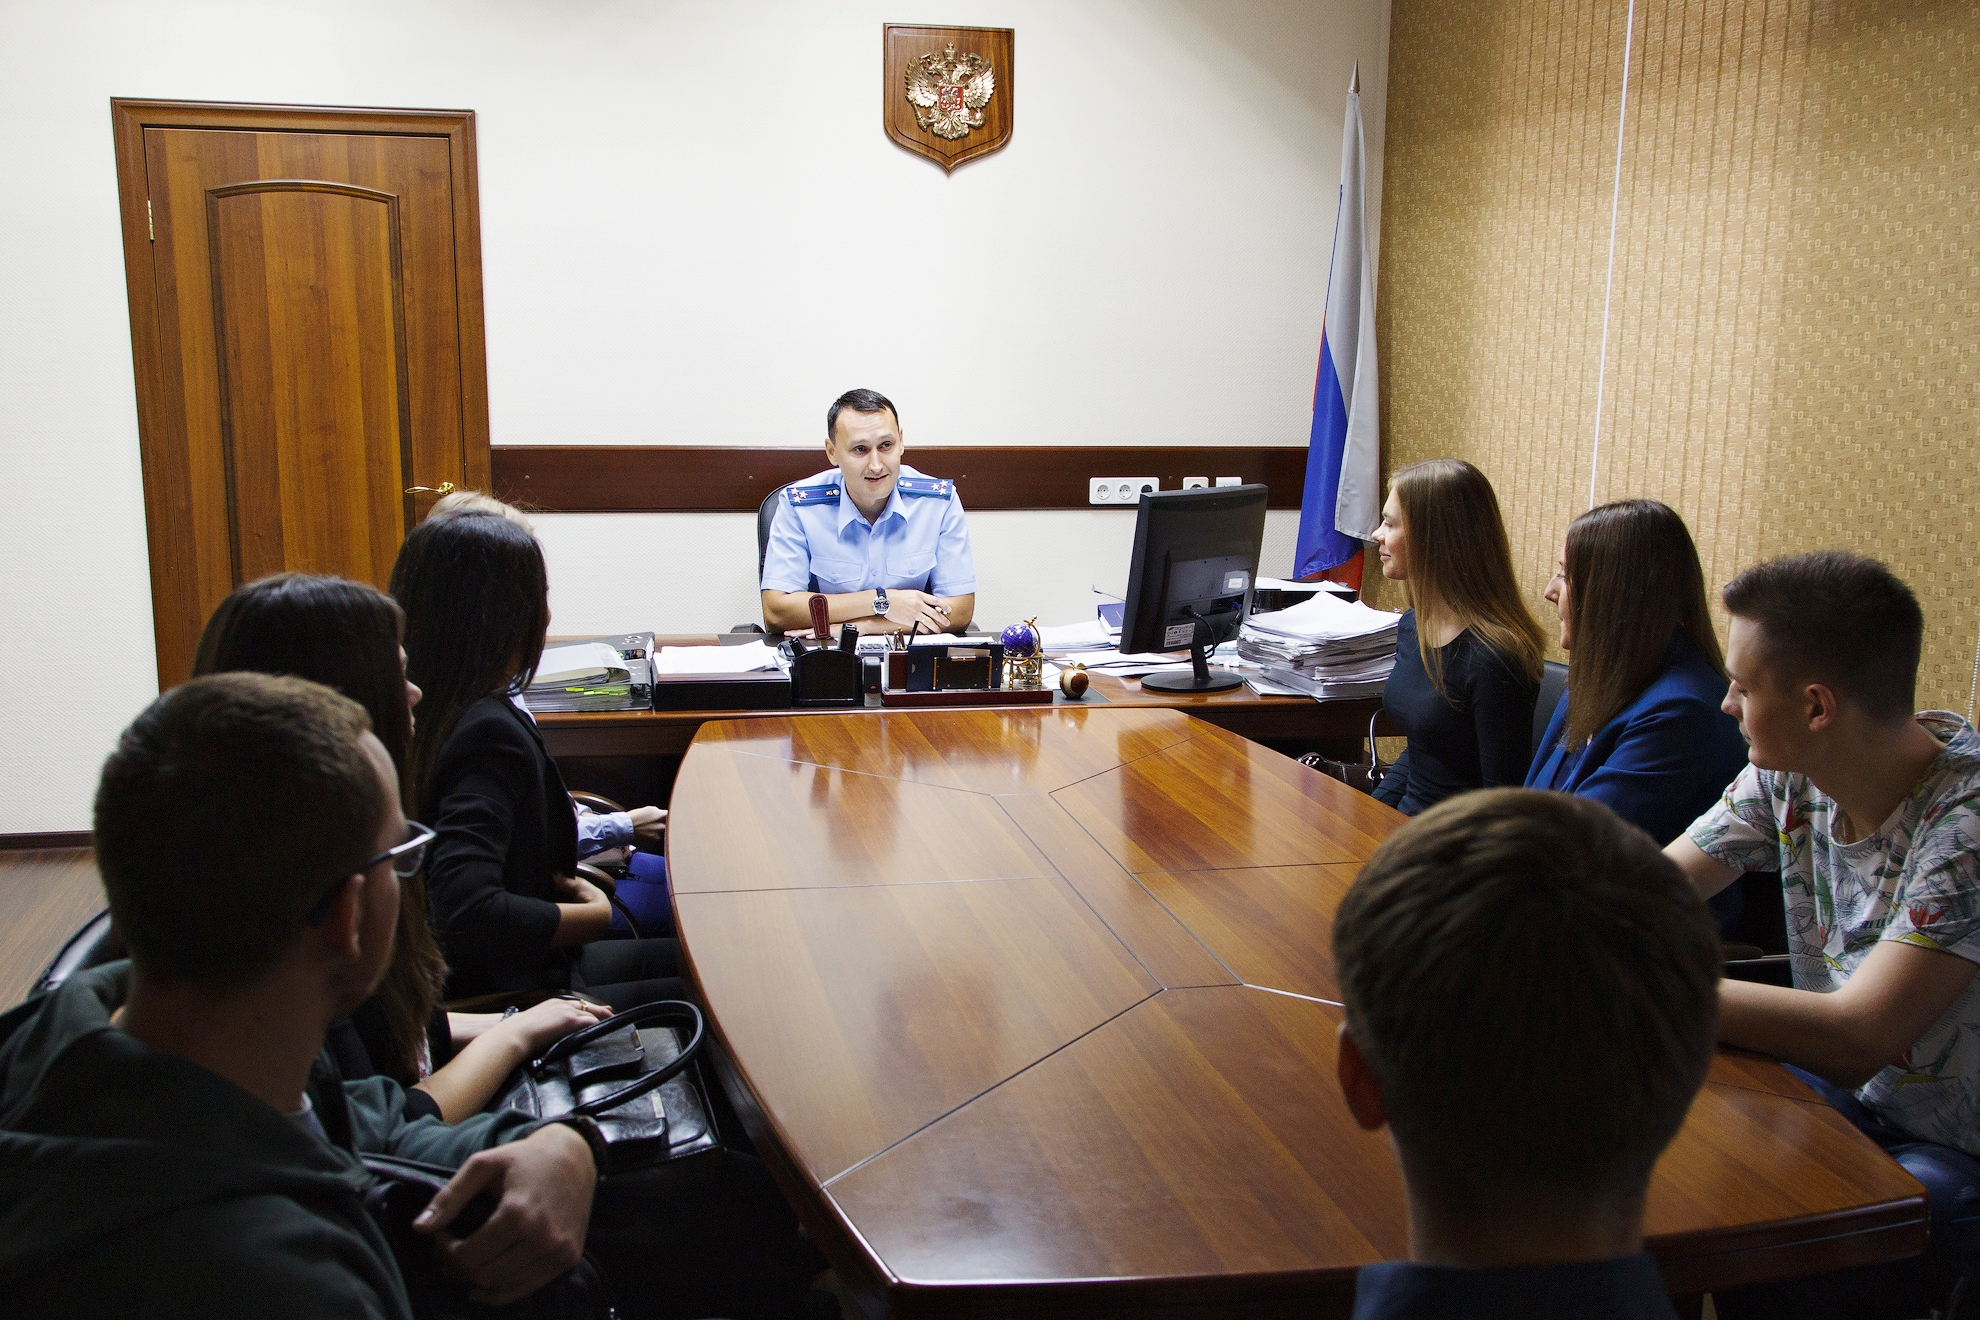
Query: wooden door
{"points": [[306, 321]]}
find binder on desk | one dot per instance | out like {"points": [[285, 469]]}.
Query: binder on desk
{"points": [[594, 674]]}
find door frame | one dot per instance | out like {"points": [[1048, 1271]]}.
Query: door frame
{"points": [[167, 506]]}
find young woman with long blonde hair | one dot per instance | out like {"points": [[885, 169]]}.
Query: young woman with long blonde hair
{"points": [[1469, 652]]}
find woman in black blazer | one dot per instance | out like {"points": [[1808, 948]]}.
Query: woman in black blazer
{"points": [[509, 910]]}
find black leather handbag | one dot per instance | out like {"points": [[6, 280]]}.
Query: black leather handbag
{"points": [[1358, 775], [401, 1189], [634, 1076]]}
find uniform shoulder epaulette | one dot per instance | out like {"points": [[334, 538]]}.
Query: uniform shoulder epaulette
{"points": [[926, 486], [800, 496]]}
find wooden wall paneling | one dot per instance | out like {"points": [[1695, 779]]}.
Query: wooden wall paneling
{"points": [[734, 479], [1791, 361], [41, 842]]}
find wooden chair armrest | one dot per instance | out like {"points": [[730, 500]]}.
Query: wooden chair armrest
{"points": [[599, 876], [598, 802]]}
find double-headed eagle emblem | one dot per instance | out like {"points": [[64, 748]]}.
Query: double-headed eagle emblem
{"points": [[948, 92]]}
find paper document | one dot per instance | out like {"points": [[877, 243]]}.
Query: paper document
{"points": [[1290, 584], [1325, 618], [1079, 636], [586, 662], [748, 658]]}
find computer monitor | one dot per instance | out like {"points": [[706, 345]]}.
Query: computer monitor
{"points": [[1189, 583]]}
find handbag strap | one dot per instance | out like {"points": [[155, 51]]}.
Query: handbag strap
{"points": [[632, 1017]]}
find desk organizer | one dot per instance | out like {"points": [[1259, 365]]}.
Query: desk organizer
{"points": [[964, 674]]}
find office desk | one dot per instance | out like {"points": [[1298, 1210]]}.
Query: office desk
{"points": [[1241, 711], [1034, 1010]]}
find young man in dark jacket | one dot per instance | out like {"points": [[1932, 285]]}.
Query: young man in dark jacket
{"points": [[1530, 992], [171, 1141]]}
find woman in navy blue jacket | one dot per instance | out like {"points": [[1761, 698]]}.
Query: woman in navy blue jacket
{"points": [[1639, 728]]}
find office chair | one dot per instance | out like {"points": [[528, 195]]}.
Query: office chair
{"points": [[766, 513], [1553, 682], [93, 944]]}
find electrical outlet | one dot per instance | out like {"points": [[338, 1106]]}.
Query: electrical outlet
{"points": [[1195, 483], [1230, 481], [1119, 490]]}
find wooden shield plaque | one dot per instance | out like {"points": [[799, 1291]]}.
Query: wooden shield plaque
{"points": [[948, 90]]}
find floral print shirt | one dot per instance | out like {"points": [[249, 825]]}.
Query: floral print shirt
{"points": [[1916, 879]]}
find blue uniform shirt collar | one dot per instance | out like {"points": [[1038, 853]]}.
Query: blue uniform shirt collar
{"points": [[849, 512]]}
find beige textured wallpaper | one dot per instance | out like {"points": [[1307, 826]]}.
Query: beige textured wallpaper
{"points": [[1793, 331]]}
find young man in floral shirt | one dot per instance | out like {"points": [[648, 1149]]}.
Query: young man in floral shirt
{"points": [[1871, 813]]}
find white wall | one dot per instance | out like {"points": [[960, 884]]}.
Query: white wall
{"points": [[695, 231]]}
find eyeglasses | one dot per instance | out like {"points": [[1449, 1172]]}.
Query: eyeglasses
{"points": [[406, 859]]}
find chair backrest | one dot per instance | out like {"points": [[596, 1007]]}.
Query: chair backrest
{"points": [[766, 512], [91, 946], [1553, 682]]}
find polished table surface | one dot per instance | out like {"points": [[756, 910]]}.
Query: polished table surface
{"points": [[1240, 710], [1033, 1011]]}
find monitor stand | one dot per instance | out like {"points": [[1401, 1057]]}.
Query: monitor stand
{"points": [[1201, 678]]}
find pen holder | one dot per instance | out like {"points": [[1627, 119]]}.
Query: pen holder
{"points": [[823, 676]]}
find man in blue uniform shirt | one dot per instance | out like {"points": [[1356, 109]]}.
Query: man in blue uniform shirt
{"points": [[886, 546]]}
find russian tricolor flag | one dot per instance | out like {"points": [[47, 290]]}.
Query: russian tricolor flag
{"points": [[1343, 499]]}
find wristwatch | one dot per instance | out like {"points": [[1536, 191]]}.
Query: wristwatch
{"points": [[880, 601]]}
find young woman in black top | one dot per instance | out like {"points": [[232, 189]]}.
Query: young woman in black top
{"points": [[725, 1245], [1468, 652], [510, 913], [345, 635]]}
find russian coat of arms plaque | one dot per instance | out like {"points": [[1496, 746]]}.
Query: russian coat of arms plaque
{"points": [[948, 90]]}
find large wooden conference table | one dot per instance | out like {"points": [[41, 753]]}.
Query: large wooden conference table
{"points": [[1032, 1012]]}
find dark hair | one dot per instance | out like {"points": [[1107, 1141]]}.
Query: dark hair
{"points": [[1534, 986], [1837, 618], [860, 401], [1460, 565], [344, 635], [476, 597], [227, 810], [1633, 579]]}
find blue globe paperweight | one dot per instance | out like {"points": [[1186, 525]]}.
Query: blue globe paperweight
{"points": [[1019, 640]]}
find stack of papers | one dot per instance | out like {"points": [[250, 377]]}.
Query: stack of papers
{"points": [[593, 676], [1088, 636], [1325, 647], [700, 661]]}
